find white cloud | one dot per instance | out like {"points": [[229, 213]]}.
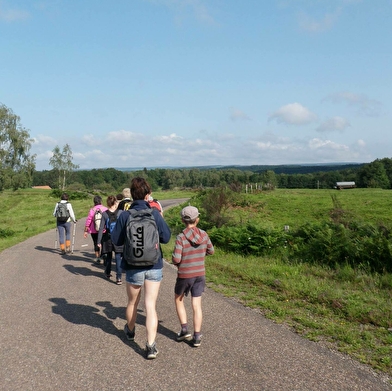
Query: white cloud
{"points": [[44, 141], [293, 114], [238, 115], [123, 137], [317, 143], [317, 16], [268, 146], [270, 149], [198, 8], [363, 104], [172, 138], [12, 14], [333, 124], [361, 143], [326, 22], [89, 140], [128, 150]]}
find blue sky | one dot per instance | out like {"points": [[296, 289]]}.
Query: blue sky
{"points": [[154, 83]]}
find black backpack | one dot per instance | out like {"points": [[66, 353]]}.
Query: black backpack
{"points": [[62, 212], [141, 246]]}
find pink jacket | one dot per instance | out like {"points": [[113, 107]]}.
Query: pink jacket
{"points": [[90, 218]]}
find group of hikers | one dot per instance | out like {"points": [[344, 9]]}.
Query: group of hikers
{"points": [[132, 228]]}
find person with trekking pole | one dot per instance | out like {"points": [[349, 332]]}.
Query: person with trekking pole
{"points": [[64, 214]]}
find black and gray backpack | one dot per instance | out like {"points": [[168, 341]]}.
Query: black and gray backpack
{"points": [[141, 246], [62, 212]]}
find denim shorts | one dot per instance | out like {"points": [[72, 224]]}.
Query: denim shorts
{"points": [[138, 276], [194, 285]]}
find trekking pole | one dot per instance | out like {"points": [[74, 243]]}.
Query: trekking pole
{"points": [[55, 241], [73, 238]]}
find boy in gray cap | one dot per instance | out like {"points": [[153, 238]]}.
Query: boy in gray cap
{"points": [[191, 247]]}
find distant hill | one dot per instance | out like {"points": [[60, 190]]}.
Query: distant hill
{"points": [[278, 169]]}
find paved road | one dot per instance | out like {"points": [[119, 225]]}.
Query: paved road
{"points": [[61, 329]]}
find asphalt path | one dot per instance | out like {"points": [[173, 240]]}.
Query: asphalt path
{"points": [[62, 329]]}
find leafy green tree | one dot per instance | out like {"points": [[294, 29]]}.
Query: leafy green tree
{"points": [[61, 161], [16, 164], [269, 180], [373, 175], [388, 168], [172, 179]]}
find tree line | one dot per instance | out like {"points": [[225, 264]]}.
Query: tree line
{"points": [[377, 174]]}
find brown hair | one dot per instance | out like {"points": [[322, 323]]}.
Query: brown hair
{"points": [[140, 188], [110, 201]]}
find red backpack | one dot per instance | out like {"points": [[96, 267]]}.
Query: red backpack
{"points": [[156, 204]]}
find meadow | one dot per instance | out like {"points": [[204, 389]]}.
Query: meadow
{"points": [[28, 212], [347, 309]]}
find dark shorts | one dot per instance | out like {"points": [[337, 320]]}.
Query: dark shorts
{"points": [[194, 285]]}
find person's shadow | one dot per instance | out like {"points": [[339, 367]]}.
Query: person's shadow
{"points": [[84, 257], [89, 315], [47, 249], [83, 271], [119, 312]]}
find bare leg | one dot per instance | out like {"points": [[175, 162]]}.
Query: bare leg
{"points": [[150, 299], [180, 308], [133, 292], [197, 314]]}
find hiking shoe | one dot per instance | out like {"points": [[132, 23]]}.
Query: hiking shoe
{"points": [[196, 342], [118, 282], [184, 336], [152, 351], [129, 334]]}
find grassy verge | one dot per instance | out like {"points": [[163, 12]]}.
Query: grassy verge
{"points": [[343, 308], [27, 213]]}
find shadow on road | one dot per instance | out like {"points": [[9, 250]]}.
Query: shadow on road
{"points": [[90, 316], [84, 271]]}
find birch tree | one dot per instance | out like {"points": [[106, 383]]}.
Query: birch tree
{"points": [[16, 164], [62, 162]]}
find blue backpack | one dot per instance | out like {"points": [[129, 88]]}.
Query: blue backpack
{"points": [[111, 220]]}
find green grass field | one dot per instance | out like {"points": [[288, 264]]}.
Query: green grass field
{"points": [[342, 308], [297, 207]]}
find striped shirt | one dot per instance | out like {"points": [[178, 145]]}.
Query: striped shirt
{"points": [[192, 246]]}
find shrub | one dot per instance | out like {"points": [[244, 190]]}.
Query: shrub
{"points": [[359, 245], [4, 233], [248, 239], [73, 195]]}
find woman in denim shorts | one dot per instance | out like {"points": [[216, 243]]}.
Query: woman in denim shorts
{"points": [[148, 277]]}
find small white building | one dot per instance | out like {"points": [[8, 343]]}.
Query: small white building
{"points": [[344, 185]]}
